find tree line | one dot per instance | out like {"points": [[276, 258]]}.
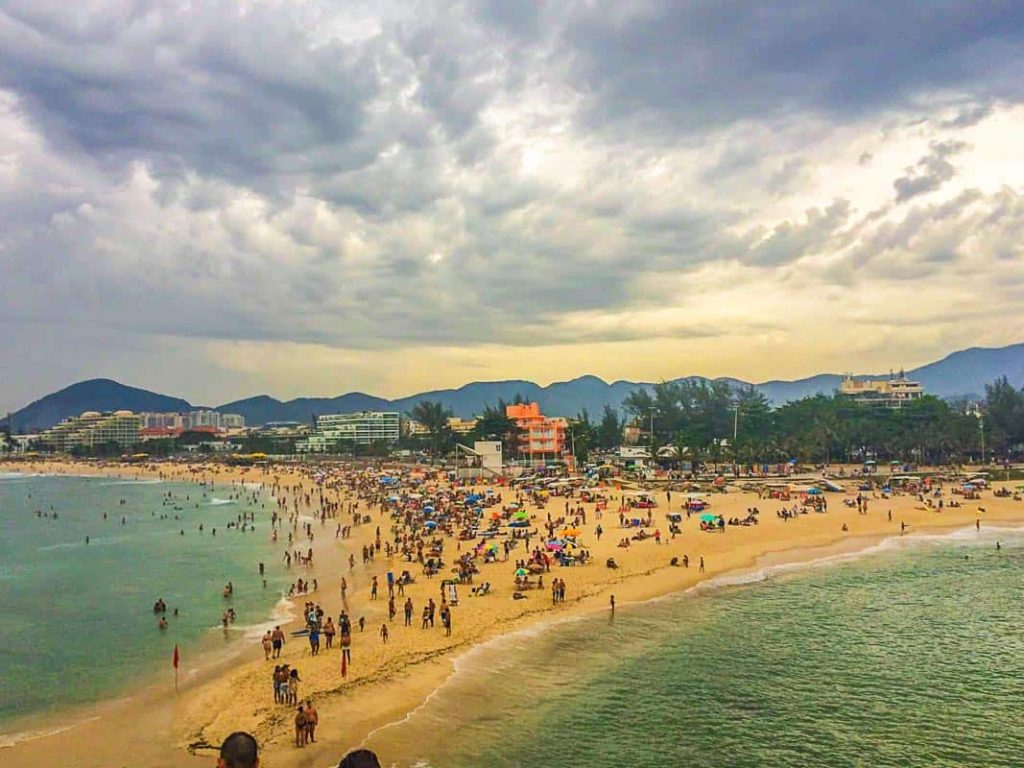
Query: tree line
{"points": [[716, 421]]}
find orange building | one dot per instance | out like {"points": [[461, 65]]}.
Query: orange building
{"points": [[539, 435]]}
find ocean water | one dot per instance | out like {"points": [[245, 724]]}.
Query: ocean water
{"points": [[911, 655], [76, 620]]}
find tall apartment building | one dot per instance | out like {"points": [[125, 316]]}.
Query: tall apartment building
{"points": [[92, 429], [539, 435], [360, 428], [894, 392], [191, 420]]}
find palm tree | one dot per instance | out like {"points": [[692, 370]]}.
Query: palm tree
{"points": [[434, 418]]}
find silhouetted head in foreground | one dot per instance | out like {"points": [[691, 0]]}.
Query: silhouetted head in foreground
{"points": [[361, 758], [239, 750]]}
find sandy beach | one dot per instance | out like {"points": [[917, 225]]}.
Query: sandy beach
{"points": [[156, 726]]}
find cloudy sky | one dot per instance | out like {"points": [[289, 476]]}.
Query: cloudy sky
{"points": [[220, 198]]}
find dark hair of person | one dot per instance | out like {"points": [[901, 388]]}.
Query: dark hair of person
{"points": [[361, 758], [239, 750]]}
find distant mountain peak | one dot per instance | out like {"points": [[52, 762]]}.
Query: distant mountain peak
{"points": [[961, 373]]}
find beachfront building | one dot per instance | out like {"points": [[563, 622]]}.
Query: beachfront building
{"points": [[458, 426], [93, 429], [538, 437], [461, 426], [894, 392], [192, 420], [359, 428]]}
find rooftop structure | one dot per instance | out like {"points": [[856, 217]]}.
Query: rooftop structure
{"points": [[894, 392]]}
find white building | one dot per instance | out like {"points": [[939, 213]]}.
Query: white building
{"points": [[894, 392], [360, 428], [192, 419]]}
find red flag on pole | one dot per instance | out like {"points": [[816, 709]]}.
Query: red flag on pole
{"points": [[175, 662]]}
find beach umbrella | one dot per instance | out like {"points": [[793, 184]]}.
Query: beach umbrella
{"points": [[571, 532], [521, 515], [708, 518], [428, 509], [430, 524], [814, 491], [522, 572], [554, 545]]}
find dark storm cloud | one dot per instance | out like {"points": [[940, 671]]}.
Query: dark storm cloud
{"points": [[244, 96], [931, 171], [709, 63], [364, 175]]}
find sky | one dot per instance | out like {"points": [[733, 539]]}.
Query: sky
{"points": [[221, 198]]}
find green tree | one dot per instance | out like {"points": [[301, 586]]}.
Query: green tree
{"points": [[609, 431], [434, 418], [583, 436], [494, 424]]}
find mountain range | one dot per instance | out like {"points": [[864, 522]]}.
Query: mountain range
{"points": [[960, 374]]}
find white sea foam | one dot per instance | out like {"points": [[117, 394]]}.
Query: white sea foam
{"points": [[221, 502], [134, 482], [101, 541], [282, 613], [19, 475], [987, 536], [11, 739]]}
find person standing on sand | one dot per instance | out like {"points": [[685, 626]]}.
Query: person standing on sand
{"points": [[611, 602], [329, 632], [277, 640], [446, 620], [408, 612], [373, 589], [268, 645], [301, 734], [312, 720], [702, 565], [384, 633]]}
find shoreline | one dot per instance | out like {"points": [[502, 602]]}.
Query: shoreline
{"points": [[357, 710]]}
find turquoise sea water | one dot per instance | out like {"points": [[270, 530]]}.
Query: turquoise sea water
{"points": [[76, 620], [910, 656]]}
